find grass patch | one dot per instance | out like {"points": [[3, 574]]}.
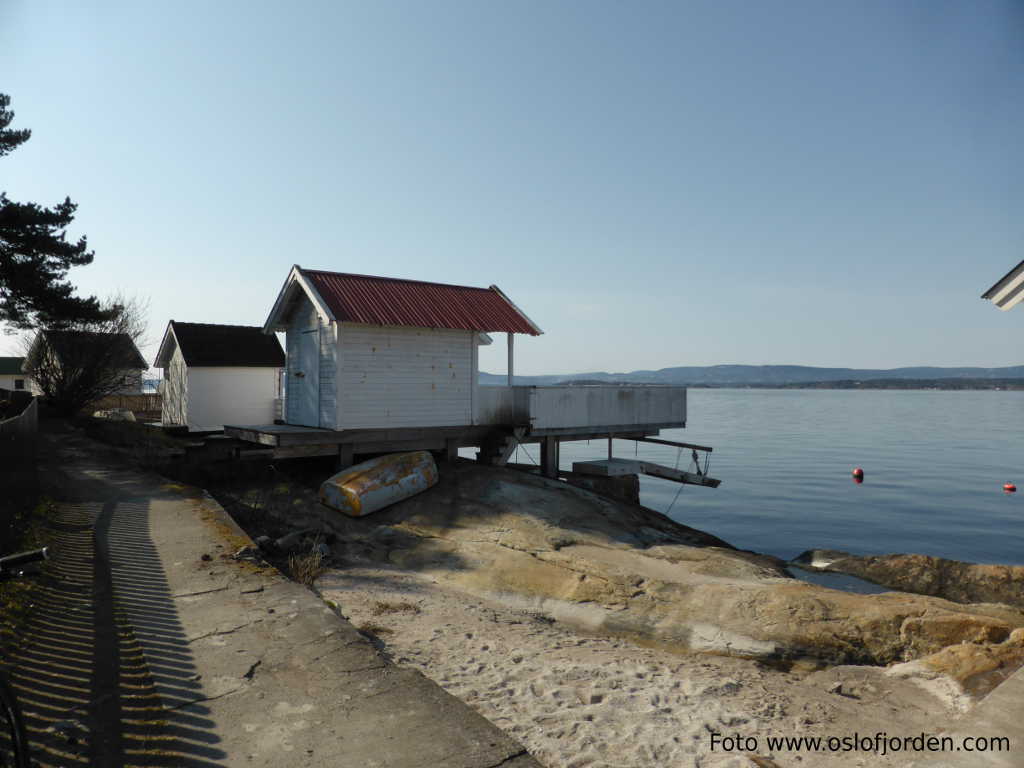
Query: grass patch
{"points": [[384, 607]]}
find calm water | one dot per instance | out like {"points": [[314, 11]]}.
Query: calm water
{"points": [[934, 465]]}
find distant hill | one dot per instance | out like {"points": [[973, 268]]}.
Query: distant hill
{"points": [[765, 375]]}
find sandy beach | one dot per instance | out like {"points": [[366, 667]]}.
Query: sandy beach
{"points": [[577, 700]]}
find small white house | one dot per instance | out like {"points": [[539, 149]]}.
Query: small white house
{"points": [[219, 374], [11, 375], [376, 353]]}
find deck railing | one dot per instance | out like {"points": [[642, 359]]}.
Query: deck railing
{"points": [[555, 408]]}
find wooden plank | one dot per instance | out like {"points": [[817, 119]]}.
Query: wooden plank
{"points": [[250, 435], [305, 451], [675, 444], [678, 475], [608, 467], [394, 446]]}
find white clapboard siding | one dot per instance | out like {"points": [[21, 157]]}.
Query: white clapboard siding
{"points": [[404, 377], [219, 395]]}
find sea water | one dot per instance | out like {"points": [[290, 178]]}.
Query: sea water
{"points": [[934, 466]]}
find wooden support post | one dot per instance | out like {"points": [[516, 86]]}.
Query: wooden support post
{"points": [[451, 450], [345, 456], [610, 446], [549, 456], [511, 337]]}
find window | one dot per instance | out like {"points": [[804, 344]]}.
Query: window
{"points": [[19, 383]]}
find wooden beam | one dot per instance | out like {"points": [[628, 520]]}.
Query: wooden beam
{"points": [[678, 475], [286, 435], [511, 339], [675, 444], [346, 456], [251, 436], [394, 446], [304, 451], [549, 457]]}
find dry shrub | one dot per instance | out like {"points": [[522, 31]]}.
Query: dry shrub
{"points": [[384, 607], [307, 568], [375, 629]]}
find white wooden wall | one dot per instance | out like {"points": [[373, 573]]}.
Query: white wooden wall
{"points": [[7, 382], [404, 377], [231, 395]]}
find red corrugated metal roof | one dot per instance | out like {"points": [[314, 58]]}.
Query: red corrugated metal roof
{"points": [[391, 301]]}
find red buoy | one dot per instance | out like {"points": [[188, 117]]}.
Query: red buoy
{"points": [[858, 473], [1009, 488]]}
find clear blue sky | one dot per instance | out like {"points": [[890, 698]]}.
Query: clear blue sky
{"points": [[656, 184]]}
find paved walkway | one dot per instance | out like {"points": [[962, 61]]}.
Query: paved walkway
{"points": [[999, 715], [152, 646]]}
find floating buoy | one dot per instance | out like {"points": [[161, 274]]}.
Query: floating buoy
{"points": [[858, 479], [858, 473], [1009, 488]]}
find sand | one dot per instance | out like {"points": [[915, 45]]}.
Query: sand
{"points": [[584, 701]]}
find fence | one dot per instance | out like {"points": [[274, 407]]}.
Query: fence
{"points": [[19, 425]]}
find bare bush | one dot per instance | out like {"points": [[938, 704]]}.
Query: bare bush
{"points": [[78, 365]]}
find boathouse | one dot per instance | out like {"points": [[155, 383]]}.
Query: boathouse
{"points": [[217, 374], [380, 353], [378, 364]]}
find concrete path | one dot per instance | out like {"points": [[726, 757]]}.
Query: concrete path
{"points": [[152, 646], [999, 715]]}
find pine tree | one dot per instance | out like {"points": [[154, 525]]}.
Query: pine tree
{"points": [[35, 255]]}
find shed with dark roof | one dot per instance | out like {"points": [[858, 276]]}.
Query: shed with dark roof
{"points": [[369, 352], [219, 374]]}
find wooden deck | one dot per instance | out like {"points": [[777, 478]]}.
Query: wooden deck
{"points": [[496, 441], [292, 441]]}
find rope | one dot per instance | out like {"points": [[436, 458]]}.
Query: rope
{"points": [[520, 445], [674, 498]]}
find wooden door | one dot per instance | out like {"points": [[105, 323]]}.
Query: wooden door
{"points": [[305, 383]]}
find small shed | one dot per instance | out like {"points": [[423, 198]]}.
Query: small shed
{"points": [[218, 374], [370, 352], [11, 375]]}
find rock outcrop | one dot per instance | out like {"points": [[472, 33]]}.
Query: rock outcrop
{"points": [[612, 567], [925, 575]]}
